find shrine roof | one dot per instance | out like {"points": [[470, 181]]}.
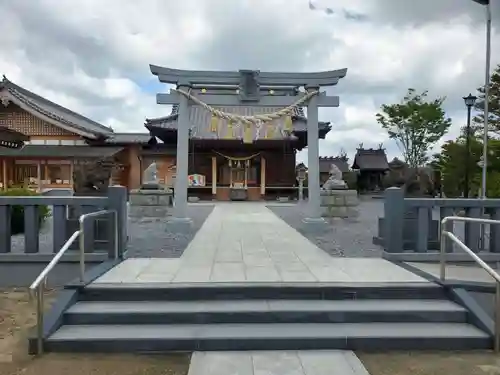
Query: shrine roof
{"points": [[370, 159], [35, 151], [326, 162], [51, 112], [397, 163], [201, 128], [128, 138]]}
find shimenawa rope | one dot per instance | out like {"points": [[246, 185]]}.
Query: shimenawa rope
{"points": [[255, 119]]}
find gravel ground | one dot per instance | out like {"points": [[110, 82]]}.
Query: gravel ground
{"points": [[341, 237], [147, 237], [155, 238]]}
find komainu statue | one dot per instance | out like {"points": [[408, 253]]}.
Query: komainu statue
{"points": [[335, 180], [93, 177]]}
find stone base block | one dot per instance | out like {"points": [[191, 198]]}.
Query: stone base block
{"points": [[339, 203], [148, 211], [410, 233], [341, 212], [150, 197], [150, 203]]}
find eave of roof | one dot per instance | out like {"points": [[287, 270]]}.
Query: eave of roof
{"points": [[50, 151], [52, 112]]}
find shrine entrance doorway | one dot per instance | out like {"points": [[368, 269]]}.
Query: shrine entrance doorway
{"points": [[238, 172]]}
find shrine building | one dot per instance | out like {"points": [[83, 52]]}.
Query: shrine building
{"points": [[56, 139], [232, 161], [226, 160]]}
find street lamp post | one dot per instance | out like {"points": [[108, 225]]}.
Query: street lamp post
{"points": [[469, 100], [487, 4]]}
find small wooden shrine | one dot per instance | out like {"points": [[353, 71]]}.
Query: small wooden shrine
{"points": [[371, 166]]}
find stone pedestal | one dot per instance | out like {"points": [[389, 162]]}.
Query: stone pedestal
{"points": [[150, 203], [339, 203], [410, 231]]}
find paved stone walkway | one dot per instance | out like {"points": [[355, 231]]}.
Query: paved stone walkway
{"points": [[328, 362], [246, 242]]}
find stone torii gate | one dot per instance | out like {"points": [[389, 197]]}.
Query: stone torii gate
{"points": [[247, 87]]}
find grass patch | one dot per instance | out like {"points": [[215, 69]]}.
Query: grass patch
{"points": [[17, 315], [432, 363]]}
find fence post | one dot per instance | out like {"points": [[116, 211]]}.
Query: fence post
{"points": [[5, 240], [394, 209], [117, 196]]}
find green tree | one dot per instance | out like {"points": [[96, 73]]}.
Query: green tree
{"points": [[416, 124], [493, 106], [452, 163]]}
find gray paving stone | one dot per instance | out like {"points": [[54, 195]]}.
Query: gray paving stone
{"points": [[221, 363], [311, 362]]}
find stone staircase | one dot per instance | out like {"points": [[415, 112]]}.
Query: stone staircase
{"points": [[135, 318]]}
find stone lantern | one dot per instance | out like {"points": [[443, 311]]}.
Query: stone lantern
{"points": [[301, 176]]}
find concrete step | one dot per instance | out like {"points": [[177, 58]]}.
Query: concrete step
{"points": [[245, 291], [209, 337], [264, 311]]}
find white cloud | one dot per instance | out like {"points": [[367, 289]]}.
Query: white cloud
{"points": [[93, 56]]}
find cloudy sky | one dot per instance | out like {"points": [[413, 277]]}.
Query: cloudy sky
{"points": [[92, 56]]}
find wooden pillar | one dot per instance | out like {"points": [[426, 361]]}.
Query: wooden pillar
{"points": [[71, 171], [39, 175], [5, 178], [262, 175], [46, 171], [214, 175], [245, 184]]}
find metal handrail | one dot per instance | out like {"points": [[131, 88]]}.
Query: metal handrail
{"points": [[39, 284], [446, 234]]}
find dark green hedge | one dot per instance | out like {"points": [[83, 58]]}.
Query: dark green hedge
{"points": [[17, 212]]}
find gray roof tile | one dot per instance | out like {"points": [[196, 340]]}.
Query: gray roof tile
{"points": [[370, 159]]}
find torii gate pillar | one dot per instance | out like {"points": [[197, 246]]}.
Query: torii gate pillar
{"points": [[313, 186], [246, 87]]}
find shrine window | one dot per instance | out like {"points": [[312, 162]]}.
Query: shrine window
{"points": [[58, 174]]}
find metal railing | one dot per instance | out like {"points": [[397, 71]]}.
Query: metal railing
{"points": [[38, 286], [446, 234]]}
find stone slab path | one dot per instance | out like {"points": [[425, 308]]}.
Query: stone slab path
{"points": [[246, 242], [328, 362]]}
